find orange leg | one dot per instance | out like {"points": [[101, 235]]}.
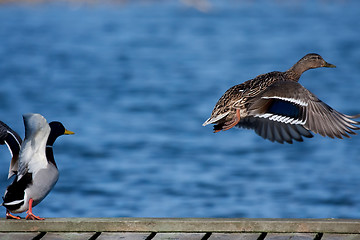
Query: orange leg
{"points": [[233, 122], [10, 216], [30, 215]]}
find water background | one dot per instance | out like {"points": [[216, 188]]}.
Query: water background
{"points": [[135, 81]]}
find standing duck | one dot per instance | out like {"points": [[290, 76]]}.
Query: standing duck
{"points": [[32, 164], [280, 109]]}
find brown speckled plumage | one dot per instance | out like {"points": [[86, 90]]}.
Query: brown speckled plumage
{"points": [[280, 109]]}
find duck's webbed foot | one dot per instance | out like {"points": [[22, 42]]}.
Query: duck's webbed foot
{"points": [[10, 216]]}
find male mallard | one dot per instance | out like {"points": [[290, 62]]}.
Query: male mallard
{"points": [[278, 108], [32, 163]]}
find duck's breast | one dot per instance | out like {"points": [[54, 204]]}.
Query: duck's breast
{"points": [[43, 181]]}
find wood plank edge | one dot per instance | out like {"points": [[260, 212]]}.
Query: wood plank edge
{"points": [[183, 225]]}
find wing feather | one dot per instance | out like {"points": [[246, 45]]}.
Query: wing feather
{"points": [[275, 131], [313, 114], [13, 142], [32, 156]]}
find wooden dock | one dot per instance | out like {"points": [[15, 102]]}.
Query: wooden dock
{"points": [[180, 229]]}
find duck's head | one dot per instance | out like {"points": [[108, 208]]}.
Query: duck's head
{"points": [[309, 61], [57, 129], [313, 60]]}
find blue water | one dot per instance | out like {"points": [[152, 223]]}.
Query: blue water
{"points": [[136, 81]]}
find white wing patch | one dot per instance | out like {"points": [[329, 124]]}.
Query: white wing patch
{"points": [[293, 100], [284, 119], [14, 202], [279, 118]]}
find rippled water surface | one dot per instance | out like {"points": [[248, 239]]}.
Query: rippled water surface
{"points": [[136, 81]]}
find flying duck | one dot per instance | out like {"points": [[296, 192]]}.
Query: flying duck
{"points": [[280, 109], [32, 164]]}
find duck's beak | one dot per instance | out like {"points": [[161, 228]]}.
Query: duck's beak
{"points": [[67, 132], [329, 65]]}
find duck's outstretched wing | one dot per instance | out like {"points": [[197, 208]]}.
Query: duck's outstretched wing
{"points": [[275, 131], [288, 105], [13, 142], [32, 156]]}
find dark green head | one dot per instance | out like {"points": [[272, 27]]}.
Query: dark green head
{"points": [[57, 129]]}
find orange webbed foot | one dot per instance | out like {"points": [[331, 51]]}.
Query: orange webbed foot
{"points": [[10, 216], [30, 215]]}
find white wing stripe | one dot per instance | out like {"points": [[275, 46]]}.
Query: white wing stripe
{"points": [[293, 100], [14, 202], [14, 138], [9, 149], [279, 118]]}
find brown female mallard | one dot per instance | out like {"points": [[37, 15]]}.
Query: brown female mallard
{"points": [[280, 109]]}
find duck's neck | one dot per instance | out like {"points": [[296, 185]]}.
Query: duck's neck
{"points": [[50, 155], [294, 73], [291, 75]]}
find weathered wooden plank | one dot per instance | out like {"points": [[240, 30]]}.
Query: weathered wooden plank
{"points": [[226, 225], [179, 236], [234, 236], [328, 236], [290, 236], [67, 236], [123, 236], [18, 235]]}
